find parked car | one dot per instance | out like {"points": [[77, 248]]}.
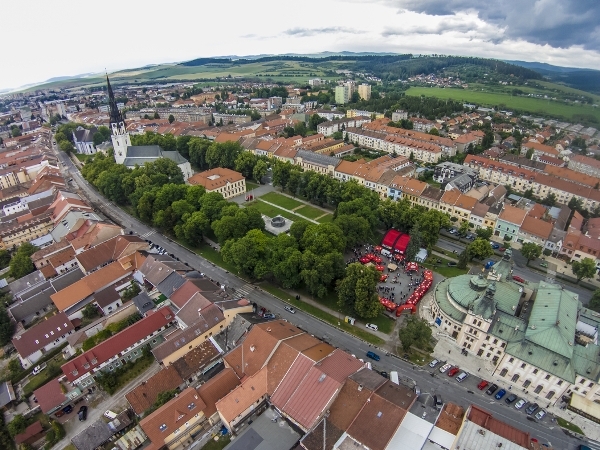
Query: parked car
{"points": [[38, 369], [482, 385], [518, 278], [532, 408], [540, 415], [495, 246], [445, 367], [501, 393], [438, 402], [372, 326], [82, 414], [453, 371], [462, 376], [384, 374], [511, 398], [452, 231], [434, 363], [290, 309], [67, 409], [268, 316], [451, 264], [493, 388], [58, 414], [544, 264], [373, 355], [502, 249], [520, 404]]}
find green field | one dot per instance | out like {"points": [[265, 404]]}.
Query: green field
{"points": [[326, 219], [281, 200], [505, 100], [310, 212]]}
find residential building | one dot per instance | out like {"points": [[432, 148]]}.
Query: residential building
{"points": [[330, 127], [44, 337], [399, 115], [316, 162], [364, 91], [362, 113], [227, 182], [446, 171], [125, 346], [314, 82], [586, 165], [343, 93], [143, 397], [509, 222], [230, 119], [538, 149]]}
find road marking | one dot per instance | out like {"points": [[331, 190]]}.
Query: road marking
{"points": [[149, 233]]}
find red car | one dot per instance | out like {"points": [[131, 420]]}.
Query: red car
{"points": [[518, 278], [453, 371], [482, 385], [502, 249]]}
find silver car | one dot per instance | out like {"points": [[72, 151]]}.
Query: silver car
{"points": [[540, 415], [520, 404]]}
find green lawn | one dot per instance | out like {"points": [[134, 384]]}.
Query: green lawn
{"points": [[218, 444], [313, 310], [326, 219], [51, 371], [281, 200], [272, 211], [310, 212], [251, 185], [443, 268], [527, 104], [569, 425]]}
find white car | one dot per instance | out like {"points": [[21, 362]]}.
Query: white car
{"points": [[372, 326], [540, 415], [38, 369], [520, 404], [445, 367], [434, 363], [290, 309]]}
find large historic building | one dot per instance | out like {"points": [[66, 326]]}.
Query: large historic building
{"points": [[135, 155], [538, 337]]}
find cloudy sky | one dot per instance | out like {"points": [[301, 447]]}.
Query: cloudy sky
{"points": [[45, 39]]}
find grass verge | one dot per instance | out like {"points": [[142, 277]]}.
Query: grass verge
{"points": [[281, 200], [442, 268], [250, 185], [272, 211], [326, 219], [569, 425], [319, 313]]}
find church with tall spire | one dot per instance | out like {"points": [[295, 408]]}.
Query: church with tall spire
{"points": [[137, 155], [119, 135]]}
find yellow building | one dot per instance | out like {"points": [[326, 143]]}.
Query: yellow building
{"points": [[364, 91], [228, 183], [25, 229]]}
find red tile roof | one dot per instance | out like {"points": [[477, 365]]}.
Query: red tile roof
{"points": [[145, 394], [117, 343], [49, 396]]}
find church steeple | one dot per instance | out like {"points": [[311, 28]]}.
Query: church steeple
{"points": [[119, 135], [115, 114]]}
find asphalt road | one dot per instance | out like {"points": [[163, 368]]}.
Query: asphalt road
{"points": [[452, 391]]}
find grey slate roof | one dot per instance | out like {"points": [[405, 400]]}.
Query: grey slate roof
{"points": [[7, 394], [84, 135], [25, 282], [25, 309], [317, 158], [170, 284], [143, 303]]}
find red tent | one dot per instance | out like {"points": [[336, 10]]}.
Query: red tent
{"points": [[402, 243], [389, 239]]}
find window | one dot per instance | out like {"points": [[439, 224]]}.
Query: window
{"points": [[591, 385], [163, 427], [511, 360], [503, 372], [560, 382], [527, 383], [503, 345], [523, 365], [535, 371], [515, 378], [538, 389]]}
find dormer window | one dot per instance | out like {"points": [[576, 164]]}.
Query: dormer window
{"points": [[75, 372], [163, 427]]}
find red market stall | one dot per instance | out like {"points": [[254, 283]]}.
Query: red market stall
{"points": [[401, 244], [388, 304], [390, 239], [417, 295], [411, 267]]}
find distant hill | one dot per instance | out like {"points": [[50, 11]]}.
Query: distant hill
{"points": [[584, 79]]}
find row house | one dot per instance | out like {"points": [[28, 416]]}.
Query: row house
{"points": [[125, 346], [522, 179], [24, 229], [538, 149], [509, 222], [577, 246], [464, 140], [585, 165], [457, 205], [315, 162], [328, 128]]}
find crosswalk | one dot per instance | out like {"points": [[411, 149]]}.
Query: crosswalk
{"points": [[148, 234], [244, 291]]}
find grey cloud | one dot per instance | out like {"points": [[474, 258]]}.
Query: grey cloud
{"points": [[303, 32], [439, 28], [558, 23]]}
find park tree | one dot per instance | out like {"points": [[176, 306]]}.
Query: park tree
{"points": [[319, 270], [356, 229], [248, 254], [245, 163], [357, 291], [7, 326], [389, 212], [260, 170], [198, 148], [484, 233], [285, 260], [414, 245], [171, 118], [416, 332], [480, 248], [323, 238], [21, 264], [193, 228], [463, 229], [66, 147], [595, 301], [586, 268], [300, 129], [531, 251], [464, 258]]}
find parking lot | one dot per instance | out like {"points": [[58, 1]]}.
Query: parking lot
{"points": [[494, 393]]}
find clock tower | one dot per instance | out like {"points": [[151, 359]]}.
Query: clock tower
{"points": [[119, 135]]}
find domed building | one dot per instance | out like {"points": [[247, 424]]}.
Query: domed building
{"points": [[537, 336]]}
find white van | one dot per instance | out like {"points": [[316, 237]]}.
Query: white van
{"points": [[394, 377], [109, 414], [385, 252]]}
